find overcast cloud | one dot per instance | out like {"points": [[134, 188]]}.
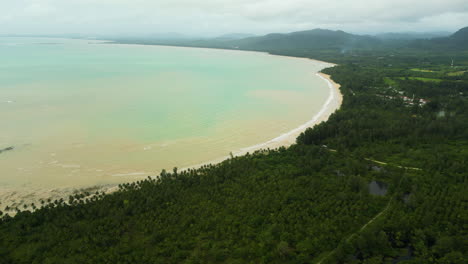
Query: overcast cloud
{"points": [[212, 17]]}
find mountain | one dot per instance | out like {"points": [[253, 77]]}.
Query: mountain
{"points": [[460, 37], [315, 41], [411, 35], [234, 36], [456, 41], [308, 40]]}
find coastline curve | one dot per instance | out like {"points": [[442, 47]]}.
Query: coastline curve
{"points": [[332, 104]]}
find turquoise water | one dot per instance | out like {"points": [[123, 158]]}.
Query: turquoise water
{"points": [[83, 112]]}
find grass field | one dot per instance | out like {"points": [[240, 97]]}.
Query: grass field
{"points": [[421, 79]]}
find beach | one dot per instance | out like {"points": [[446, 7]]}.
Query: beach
{"points": [[332, 104], [19, 197]]}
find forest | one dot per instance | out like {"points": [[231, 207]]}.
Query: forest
{"points": [[403, 123]]}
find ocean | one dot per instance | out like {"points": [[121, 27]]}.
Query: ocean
{"points": [[88, 112]]}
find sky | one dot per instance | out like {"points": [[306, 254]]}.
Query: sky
{"points": [[217, 17]]}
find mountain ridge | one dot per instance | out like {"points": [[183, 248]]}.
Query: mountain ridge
{"points": [[318, 39]]}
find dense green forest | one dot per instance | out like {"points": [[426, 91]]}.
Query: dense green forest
{"points": [[403, 125]]}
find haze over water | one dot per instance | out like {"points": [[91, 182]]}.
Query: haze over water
{"points": [[82, 112]]}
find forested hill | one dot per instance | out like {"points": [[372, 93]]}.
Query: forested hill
{"points": [[318, 42], [317, 39], [340, 41], [412, 35], [460, 38], [456, 41], [384, 180]]}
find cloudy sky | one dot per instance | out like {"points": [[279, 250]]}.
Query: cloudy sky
{"points": [[213, 17]]}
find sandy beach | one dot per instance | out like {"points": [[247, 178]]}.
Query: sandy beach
{"points": [[21, 197], [332, 104]]}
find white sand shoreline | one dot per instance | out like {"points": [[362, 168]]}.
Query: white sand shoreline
{"points": [[18, 197], [332, 104]]}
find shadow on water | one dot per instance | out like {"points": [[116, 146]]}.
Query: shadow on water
{"points": [[378, 188]]}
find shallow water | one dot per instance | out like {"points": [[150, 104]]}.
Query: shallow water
{"points": [[82, 113]]}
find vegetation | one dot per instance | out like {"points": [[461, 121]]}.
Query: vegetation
{"points": [[309, 203], [319, 43]]}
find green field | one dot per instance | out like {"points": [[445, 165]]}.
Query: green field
{"points": [[458, 73], [421, 79], [421, 70]]}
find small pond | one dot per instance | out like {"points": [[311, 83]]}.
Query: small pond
{"points": [[378, 188]]}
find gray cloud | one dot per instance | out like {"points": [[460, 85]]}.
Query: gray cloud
{"points": [[208, 17]]}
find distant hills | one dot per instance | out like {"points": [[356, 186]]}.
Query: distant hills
{"points": [[316, 39], [322, 39], [302, 42], [310, 41], [411, 35], [460, 37], [456, 41], [233, 36]]}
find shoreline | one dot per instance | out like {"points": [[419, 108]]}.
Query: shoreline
{"points": [[112, 42], [287, 139], [18, 197], [331, 105]]}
